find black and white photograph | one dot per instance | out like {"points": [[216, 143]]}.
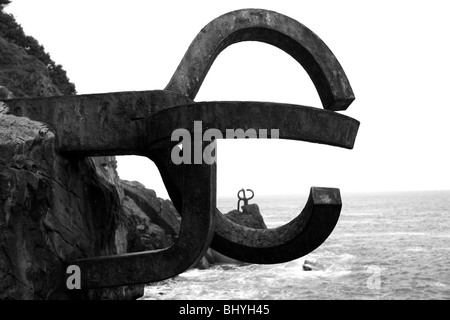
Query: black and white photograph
{"points": [[224, 155]]}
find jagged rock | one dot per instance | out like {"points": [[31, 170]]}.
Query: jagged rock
{"points": [[249, 217], [306, 266], [5, 93], [161, 212], [170, 215], [311, 265], [146, 235], [202, 264]]}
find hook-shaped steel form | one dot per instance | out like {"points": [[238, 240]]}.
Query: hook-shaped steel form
{"points": [[196, 233], [244, 198], [320, 215], [141, 123], [300, 123]]}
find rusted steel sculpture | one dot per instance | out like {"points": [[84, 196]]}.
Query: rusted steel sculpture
{"points": [[244, 198], [141, 123]]}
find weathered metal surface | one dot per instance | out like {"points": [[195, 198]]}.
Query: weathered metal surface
{"points": [[294, 122], [300, 236], [293, 240], [142, 122], [243, 197], [196, 233], [97, 124], [320, 215], [273, 28]]}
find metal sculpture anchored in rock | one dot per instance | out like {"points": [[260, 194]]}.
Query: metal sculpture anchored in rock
{"points": [[141, 123]]}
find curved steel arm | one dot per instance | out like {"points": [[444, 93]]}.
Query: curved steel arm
{"points": [[273, 28], [294, 122], [196, 232], [302, 235]]}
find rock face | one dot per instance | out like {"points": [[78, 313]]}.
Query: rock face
{"points": [[161, 212], [249, 217]]}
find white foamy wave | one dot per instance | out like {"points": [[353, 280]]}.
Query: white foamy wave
{"points": [[415, 249], [440, 285]]}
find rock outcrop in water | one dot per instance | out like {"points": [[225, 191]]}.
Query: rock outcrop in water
{"points": [[249, 217]]}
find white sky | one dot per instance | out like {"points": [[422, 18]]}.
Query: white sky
{"points": [[395, 54]]}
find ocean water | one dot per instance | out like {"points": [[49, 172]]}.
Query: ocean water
{"points": [[384, 246]]}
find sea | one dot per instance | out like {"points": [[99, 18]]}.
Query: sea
{"points": [[385, 246]]}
